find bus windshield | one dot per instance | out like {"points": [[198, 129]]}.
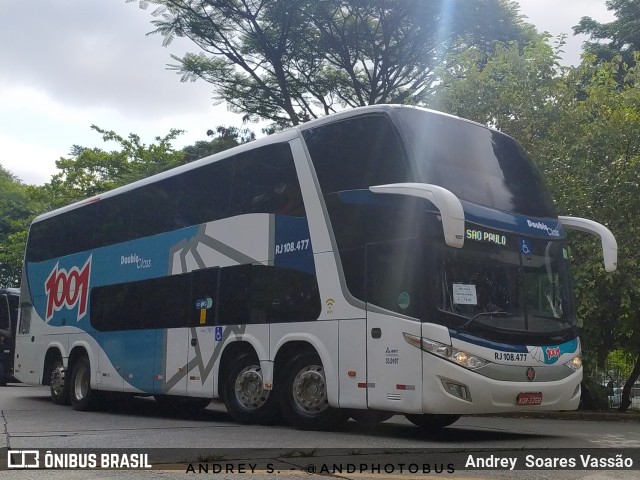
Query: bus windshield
{"points": [[487, 288], [477, 164]]}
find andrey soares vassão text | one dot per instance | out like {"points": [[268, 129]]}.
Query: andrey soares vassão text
{"points": [[542, 462]]}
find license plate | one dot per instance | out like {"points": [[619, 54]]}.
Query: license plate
{"points": [[529, 398]]}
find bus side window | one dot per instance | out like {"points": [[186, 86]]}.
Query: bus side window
{"points": [[357, 153], [251, 294], [203, 194], [265, 181], [25, 318], [5, 317], [145, 304]]}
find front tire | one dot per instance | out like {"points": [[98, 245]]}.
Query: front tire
{"points": [[432, 422], [244, 395], [304, 399], [80, 392], [58, 384]]}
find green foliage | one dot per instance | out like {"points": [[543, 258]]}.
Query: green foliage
{"points": [[292, 60], [619, 364], [513, 89], [622, 35], [15, 212], [91, 171], [223, 139]]}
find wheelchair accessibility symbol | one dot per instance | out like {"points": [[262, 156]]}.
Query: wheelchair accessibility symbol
{"points": [[525, 247], [218, 334]]}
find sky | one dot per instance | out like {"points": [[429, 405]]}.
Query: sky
{"points": [[68, 64]]}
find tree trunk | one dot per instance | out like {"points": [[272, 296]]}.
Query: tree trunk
{"points": [[625, 401]]}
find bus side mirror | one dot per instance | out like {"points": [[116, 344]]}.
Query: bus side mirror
{"points": [[447, 202], [5, 317], [608, 240]]}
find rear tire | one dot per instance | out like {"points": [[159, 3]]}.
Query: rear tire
{"points": [[244, 395], [432, 422], [80, 392], [58, 384], [304, 400]]}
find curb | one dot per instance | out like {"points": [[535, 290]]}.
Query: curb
{"points": [[584, 415]]}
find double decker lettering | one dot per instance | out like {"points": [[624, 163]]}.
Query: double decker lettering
{"points": [[68, 289]]}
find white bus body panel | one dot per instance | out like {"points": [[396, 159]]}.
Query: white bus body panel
{"points": [[352, 358], [394, 368], [492, 396]]}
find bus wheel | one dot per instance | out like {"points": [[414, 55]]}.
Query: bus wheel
{"points": [[370, 417], [304, 396], [432, 422], [58, 386], [81, 394], [244, 395]]}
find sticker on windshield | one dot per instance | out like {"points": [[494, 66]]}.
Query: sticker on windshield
{"points": [[464, 294]]}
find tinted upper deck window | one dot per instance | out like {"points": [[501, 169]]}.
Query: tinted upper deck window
{"points": [[356, 153], [478, 164]]}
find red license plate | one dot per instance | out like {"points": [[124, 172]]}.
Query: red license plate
{"points": [[529, 398]]}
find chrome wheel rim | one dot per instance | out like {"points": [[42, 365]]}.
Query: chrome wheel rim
{"points": [[57, 381], [249, 388], [310, 390], [81, 383]]}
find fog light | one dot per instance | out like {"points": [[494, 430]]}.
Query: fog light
{"points": [[456, 389]]}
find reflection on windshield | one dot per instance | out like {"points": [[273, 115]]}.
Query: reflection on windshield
{"points": [[477, 164], [487, 286]]}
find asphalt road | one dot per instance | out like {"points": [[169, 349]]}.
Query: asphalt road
{"points": [[29, 420]]}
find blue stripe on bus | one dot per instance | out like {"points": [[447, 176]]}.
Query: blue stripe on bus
{"points": [[541, 227], [293, 248], [503, 347], [138, 355]]}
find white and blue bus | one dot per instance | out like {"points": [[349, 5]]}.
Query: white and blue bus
{"points": [[381, 260]]}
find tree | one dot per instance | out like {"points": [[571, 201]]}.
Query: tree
{"points": [[623, 34], [91, 171], [582, 127], [292, 60], [223, 138], [16, 212]]}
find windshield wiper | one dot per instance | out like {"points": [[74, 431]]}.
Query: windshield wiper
{"points": [[501, 313]]}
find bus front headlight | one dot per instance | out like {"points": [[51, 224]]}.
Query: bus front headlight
{"points": [[575, 363], [459, 357]]}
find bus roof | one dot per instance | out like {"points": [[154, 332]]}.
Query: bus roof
{"points": [[284, 136]]}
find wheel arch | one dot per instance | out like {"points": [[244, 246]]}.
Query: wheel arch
{"points": [[231, 351], [54, 352], [77, 352]]}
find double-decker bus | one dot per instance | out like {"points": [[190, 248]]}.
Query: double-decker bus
{"points": [[381, 260], [8, 322]]}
